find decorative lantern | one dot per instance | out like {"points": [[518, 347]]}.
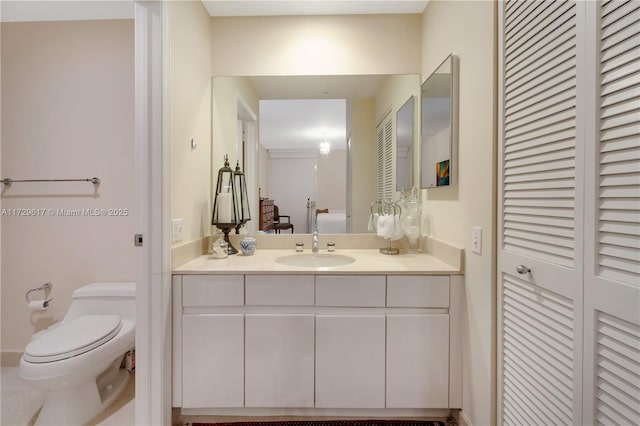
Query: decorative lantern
{"points": [[241, 197], [225, 206]]}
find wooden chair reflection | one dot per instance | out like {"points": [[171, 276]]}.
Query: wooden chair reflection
{"points": [[278, 224]]}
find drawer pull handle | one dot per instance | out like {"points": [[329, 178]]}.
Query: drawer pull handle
{"points": [[521, 269]]}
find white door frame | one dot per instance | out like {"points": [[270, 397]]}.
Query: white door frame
{"points": [[249, 127], [153, 302]]}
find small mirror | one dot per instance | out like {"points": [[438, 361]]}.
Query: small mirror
{"points": [[404, 146], [439, 126]]}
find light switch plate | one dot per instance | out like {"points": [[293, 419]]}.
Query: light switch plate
{"points": [[177, 227], [476, 239]]}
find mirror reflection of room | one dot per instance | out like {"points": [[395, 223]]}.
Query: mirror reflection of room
{"points": [[304, 139], [303, 146]]}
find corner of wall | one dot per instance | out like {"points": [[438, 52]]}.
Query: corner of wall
{"points": [[468, 30], [190, 118]]}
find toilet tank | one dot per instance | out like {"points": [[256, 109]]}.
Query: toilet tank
{"points": [[106, 289], [104, 298]]}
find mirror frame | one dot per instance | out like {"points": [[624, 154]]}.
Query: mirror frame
{"points": [[453, 123]]}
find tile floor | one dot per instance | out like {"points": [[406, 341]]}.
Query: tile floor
{"points": [[19, 403]]}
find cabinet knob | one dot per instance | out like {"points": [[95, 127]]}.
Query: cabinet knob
{"points": [[521, 269]]}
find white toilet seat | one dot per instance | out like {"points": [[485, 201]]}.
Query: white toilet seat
{"points": [[74, 338]]}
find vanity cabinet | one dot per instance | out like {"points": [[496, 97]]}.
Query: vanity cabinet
{"points": [[212, 373], [320, 343], [417, 368], [279, 360], [350, 344], [350, 354]]}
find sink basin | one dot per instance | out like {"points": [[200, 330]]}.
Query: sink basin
{"points": [[321, 260]]}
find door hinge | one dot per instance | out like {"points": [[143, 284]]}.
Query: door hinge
{"points": [[137, 240]]}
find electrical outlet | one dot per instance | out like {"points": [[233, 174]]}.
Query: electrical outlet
{"points": [[177, 227], [476, 239]]}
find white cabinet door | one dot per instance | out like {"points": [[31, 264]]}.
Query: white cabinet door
{"points": [[350, 352], [279, 360], [212, 355], [418, 361]]}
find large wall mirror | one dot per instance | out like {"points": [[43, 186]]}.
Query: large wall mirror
{"points": [[439, 126], [310, 137]]}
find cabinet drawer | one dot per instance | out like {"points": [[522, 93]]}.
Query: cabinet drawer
{"points": [[280, 290], [212, 290], [361, 291], [418, 291]]}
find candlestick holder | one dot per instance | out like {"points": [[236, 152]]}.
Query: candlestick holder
{"points": [[225, 206]]}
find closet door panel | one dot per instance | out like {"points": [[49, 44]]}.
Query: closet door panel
{"points": [[612, 255], [540, 227]]}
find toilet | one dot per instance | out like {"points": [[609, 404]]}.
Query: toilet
{"points": [[77, 361]]}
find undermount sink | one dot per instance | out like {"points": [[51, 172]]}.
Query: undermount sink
{"points": [[320, 260]]}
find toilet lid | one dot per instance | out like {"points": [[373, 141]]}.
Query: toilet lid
{"points": [[73, 338]]}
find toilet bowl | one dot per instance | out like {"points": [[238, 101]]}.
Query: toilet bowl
{"points": [[77, 361]]}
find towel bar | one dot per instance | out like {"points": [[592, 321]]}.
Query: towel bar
{"points": [[93, 180]]}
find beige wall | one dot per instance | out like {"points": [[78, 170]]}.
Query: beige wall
{"points": [[468, 29], [332, 175], [67, 112], [311, 45], [190, 117]]}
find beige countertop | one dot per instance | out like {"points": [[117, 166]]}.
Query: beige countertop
{"points": [[367, 262]]}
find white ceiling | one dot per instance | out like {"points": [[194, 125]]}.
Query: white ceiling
{"points": [[312, 7], [297, 111], [303, 123]]}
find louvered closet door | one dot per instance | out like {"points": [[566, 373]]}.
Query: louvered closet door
{"points": [[384, 156], [539, 312], [612, 252]]}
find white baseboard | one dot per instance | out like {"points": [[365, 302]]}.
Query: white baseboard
{"points": [[10, 358], [386, 413]]}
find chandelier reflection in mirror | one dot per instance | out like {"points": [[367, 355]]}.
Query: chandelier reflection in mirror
{"points": [[325, 148]]}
